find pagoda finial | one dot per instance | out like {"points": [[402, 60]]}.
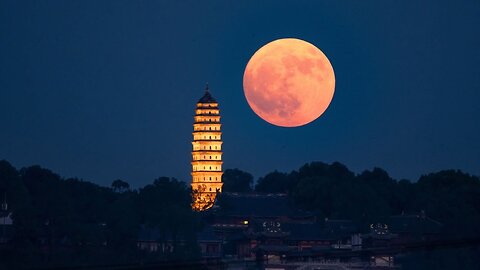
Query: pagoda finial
{"points": [[206, 88]]}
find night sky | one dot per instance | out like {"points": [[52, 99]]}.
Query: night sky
{"points": [[102, 90]]}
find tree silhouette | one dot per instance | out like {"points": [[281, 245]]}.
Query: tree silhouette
{"points": [[74, 222], [235, 180], [120, 186]]}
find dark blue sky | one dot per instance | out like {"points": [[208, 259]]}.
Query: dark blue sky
{"points": [[107, 89]]}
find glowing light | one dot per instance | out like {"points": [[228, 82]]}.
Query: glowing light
{"points": [[206, 154], [289, 82]]}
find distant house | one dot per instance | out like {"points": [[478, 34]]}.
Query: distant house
{"points": [[210, 243], [343, 231], [307, 236], [153, 240], [6, 218], [240, 219], [404, 228], [387, 237], [268, 227], [414, 227], [6, 227], [379, 236], [378, 243], [236, 208]]}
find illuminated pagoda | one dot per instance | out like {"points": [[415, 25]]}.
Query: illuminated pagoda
{"points": [[206, 154]]}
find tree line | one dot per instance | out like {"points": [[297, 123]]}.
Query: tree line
{"points": [[58, 222], [451, 197], [68, 221]]}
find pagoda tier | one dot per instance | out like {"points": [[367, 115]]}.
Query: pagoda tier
{"points": [[206, 154]]}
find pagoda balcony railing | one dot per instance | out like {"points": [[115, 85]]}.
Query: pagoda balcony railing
{"points": [[210, 161], [208, 114], [206, 122], [213, 161], [208, 131]]}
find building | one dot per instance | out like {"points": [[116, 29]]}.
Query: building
{"points": [[6, 227], [207, 153], [236, 210], [210, 243], [270, 226], [415, 227]]}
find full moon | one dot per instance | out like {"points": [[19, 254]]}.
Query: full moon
{"points": [[289, 82]]}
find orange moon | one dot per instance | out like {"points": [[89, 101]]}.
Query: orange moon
{"points": [[289, 82]]}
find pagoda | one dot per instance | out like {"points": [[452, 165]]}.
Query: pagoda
{"points": [[206, 154]]}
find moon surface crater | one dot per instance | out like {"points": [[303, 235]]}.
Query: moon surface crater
{"points": [[289, 82]]}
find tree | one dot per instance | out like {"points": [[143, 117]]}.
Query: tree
{"points": [[451, 197], [235, 180], [275, 182], [333, 191], [165, 206], [384, 188], [120, 186]]}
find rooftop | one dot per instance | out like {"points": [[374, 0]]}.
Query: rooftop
{"points": [[308, 231], [258, 205], [340, 227], [414, 223], [207, 97]]}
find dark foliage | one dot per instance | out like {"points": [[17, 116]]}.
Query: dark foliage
{"points": [[120, 185], [332, 190], [73, 222], [450, 197], [235, 180], [275, 182]]}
